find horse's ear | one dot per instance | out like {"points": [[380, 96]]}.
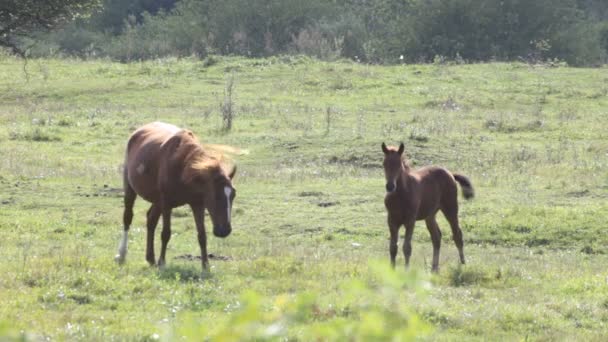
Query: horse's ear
{"points": [[384, 149], [232, 173], [401, 148]]}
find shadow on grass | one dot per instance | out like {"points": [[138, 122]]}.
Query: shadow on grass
{"points": [[188, 272], [184, 273], [487, 277]]}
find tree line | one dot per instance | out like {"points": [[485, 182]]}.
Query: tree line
{"points": [[374, 31]]}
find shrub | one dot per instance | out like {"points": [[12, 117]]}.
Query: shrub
{"points": [[372, 31], [312, 42], [37, 134], [374, 309]]}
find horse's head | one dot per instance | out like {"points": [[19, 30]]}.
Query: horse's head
{"points": [[214, 183], [218, 201], [393, 165]]}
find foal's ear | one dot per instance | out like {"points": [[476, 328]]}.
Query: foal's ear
{"points": [[401, 148], [384, 149], [232, 173]]}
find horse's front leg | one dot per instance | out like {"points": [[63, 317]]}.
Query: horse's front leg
{"points": [[166, 234], [393, 227], [199, 218], [407, 242], [433, 227]]}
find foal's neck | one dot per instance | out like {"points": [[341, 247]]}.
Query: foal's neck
{"points": [[403, 175]]}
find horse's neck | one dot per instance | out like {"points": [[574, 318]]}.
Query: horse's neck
{"points": [[403, 177], [196, 162], [193, 153]]}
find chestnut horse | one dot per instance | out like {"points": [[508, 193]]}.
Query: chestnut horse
{"points": [[168, 167], [419, 195]]}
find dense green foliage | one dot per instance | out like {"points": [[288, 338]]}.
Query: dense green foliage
{"points": [[374, 31], [115, 12], [20, 18], [309, 214]]}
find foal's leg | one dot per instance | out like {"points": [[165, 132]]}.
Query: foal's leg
{"points": [[394, 230], [451, 214], [153, 215], [433, 227], [165, 235], [127, 218], [199, 219], [407, 242]]}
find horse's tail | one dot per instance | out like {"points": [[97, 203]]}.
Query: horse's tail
{"points": [[467, 188]]}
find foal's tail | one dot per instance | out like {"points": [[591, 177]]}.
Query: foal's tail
{"points": [[467, 188]]}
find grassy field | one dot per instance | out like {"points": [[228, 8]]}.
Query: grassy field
{"points": [[309, 247]]}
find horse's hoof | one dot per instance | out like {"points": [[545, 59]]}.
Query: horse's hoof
{"points": [[120, 259]]}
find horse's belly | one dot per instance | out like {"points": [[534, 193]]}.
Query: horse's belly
{"points": [[425, 212], [143, 158], [145, 187], [142, 174]]}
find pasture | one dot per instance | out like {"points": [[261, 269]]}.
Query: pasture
{"points": [[309, 246]]}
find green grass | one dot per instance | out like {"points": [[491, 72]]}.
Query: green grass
{"points": [[309, 215]]}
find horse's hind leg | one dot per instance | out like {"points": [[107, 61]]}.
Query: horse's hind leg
{"points": [[451, 214], [152, 221], [433, 227], [165, 234], [127, 218]]}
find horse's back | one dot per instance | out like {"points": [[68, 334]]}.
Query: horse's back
{"points": [[437, 188], [152, 133], [434, 173], [143, 157]]}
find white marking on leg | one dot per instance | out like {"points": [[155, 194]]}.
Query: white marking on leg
{"points": [[228, 192], [122, 248], [141, 168]]}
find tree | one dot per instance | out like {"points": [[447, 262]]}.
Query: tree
{"points": [[22, 18], [115, 12]]}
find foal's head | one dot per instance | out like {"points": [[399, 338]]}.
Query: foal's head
{"points": [[213, 182], [393, 165]]}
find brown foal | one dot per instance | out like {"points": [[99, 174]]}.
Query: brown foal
{"points": [[419, 195]]}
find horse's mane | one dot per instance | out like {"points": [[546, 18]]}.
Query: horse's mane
{"points": [[200, 161]]}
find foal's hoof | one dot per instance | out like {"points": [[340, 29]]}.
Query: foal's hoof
{"points": [[120, 259]]}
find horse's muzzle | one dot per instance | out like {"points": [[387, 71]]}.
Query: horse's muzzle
{"points": [[222, 231], [390, 187]]}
